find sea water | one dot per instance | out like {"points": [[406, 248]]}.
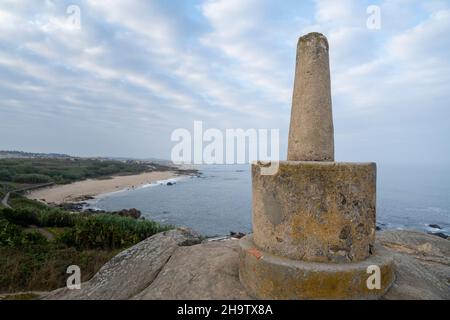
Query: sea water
{"points": [[219, 201]]}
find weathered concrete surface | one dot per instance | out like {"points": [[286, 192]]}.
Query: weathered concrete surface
{"points": [[210, 271], [132, 270], [315, 211], [422, 264], [206, 271], [267, 276], [311, 135]]}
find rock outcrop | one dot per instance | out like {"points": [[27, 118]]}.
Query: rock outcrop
{"points": [[174, 265], [132, 270], [205, 271], [422, 265]]}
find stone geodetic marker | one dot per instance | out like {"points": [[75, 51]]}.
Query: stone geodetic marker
{"points": [[314, 220]]}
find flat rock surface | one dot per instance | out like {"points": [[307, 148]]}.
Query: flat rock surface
{"points": [[171, 266], [206, 271], [422, 264]]}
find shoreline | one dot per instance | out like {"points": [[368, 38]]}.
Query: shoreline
{"points": [[90, 188]]}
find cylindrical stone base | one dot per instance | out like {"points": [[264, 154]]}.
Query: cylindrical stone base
{"points": [[315, 211], [266, 276]]}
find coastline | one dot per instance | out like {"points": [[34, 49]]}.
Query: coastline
{"points": [[82, 190]]}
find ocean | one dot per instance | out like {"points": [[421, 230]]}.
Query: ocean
{"points": [[408, 197]]}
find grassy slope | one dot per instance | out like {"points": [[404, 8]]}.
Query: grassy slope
{"points": [[43, 268], [35, 263], [28, 260]]}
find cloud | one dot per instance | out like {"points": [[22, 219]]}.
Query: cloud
{"points": [[137, 70], [335, 11]]}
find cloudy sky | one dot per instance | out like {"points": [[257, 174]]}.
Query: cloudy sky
{"points": [[136, 70]]}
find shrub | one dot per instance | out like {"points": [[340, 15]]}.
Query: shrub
{"points": [[13, 236], [34, 238], [109, 232], [43, 218], [32, 178], [19, 202], [43, 267], [10, 234], [21, 217], [5, 175], [56, 218]]}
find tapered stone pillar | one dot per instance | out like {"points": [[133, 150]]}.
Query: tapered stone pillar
{"points": [[311, 132], [314, 220]]}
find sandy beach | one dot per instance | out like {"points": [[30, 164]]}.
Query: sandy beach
{"points": [[78, 190]]}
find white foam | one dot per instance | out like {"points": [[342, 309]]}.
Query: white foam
{"points": [[161, 182]]}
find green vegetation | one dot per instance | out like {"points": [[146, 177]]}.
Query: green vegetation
{"points": [[4, 188], [17, 201], [66, 170], [38, 243], [43, 267], [31, 178], [13, 236], [109, 232], [49, 217], [32, 261], [83, 231], [22, 296]]}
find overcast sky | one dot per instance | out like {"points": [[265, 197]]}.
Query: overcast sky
{"points": [[137, 70]]}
